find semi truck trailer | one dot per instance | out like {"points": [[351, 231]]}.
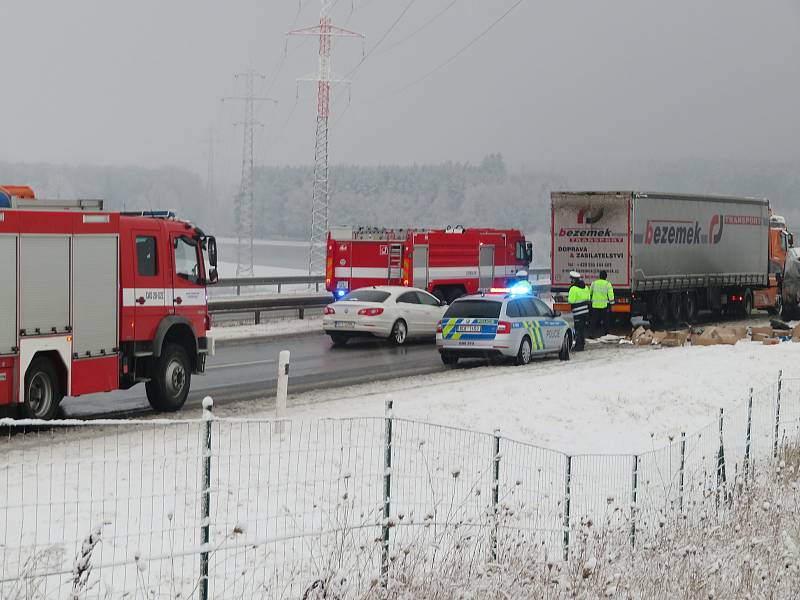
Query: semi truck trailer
{"points": [[670, 256]]}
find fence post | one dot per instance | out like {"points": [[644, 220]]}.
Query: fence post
{"points": [[238, 290], [567, 492], [495, 489], [279, 288], [721, 476], [282, 391], [301, 313], [387, 493], [208, 407], [777, 415], [258, 317], [682, 471], [747, 438], [634, 493]]}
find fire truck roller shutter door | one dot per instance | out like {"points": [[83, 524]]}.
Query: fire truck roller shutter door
{"points": [[8, 293], [420, 267], [44, 283], [486, 266], [94, 294]]}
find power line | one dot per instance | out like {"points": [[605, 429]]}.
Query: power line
{"points": [[424, 26], [461, 51], [381, 40]]}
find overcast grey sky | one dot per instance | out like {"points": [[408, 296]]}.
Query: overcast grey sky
{"points": [[140, 82]]}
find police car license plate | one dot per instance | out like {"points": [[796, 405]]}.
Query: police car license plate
{"points": [[469, 329], [344, 324]]}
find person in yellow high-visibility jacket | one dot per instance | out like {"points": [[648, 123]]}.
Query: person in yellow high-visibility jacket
{"points": [[579, 299], [602, 293]]}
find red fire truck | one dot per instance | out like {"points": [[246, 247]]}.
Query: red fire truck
{"points": [[95, 301], [447, 262]]}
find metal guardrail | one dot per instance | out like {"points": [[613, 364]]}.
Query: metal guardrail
{"points": [[240, 282]]}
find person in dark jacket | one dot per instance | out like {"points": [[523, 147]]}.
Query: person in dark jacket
{"points": [[579, 299]]}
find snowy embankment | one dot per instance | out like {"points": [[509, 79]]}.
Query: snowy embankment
{"points": [[606, 400], [269, 329]]}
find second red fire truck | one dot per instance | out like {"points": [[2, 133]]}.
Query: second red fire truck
{"points": [[447, 262], [96, 301]]}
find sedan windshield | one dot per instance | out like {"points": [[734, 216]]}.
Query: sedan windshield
{"points": [[476, 309], [365, 296]]}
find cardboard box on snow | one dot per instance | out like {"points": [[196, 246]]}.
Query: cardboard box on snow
{"points": [[759, 337], [771, 342], [767, 331]]}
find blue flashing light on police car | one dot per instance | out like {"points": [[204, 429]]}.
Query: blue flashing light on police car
{"points": [[341, 293]]}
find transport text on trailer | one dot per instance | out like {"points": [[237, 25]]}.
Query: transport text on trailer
{"points": [[671, 255], [95, 301], [446, 262]]}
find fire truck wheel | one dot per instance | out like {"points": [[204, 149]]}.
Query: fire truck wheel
{"points": [[399, 333], [564, 353], [339, 339], [42, 390], [524, 354], [169, 386]]}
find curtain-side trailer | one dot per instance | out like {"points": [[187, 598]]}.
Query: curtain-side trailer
{"points": [[668, 255]]}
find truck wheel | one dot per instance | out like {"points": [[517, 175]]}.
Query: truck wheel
{"points": [[448, 359], [399, 333], [42, 390], [566, 346], [661, 308], [339, 339], [747, 303], [524, 353], [675, 312], [778, 308], [169, 386], [690, 307]]}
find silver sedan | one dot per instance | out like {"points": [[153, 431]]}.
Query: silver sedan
{"points": [[392, 312]]}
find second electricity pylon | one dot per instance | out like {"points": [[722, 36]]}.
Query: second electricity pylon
{"points": [[244, 199], [325, 31]]}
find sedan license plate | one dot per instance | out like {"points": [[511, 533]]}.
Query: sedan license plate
{"points": [[469, 329], [344, 324]]}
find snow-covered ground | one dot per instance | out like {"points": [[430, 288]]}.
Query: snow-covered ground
{"points": [[270, 328], [288, 505], [605, 400]]}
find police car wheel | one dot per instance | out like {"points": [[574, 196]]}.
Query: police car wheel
{"points": [[399, 333], [449, 360], [564, 353], [524, 354]]}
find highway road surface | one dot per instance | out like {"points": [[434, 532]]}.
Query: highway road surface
{"points": [[249, 370]]}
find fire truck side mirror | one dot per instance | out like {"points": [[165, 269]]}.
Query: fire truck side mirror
{"points": [[213, 276], [212, 251], [529, 252]]}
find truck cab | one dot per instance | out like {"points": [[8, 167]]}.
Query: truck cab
{"points": [[95, 301]]}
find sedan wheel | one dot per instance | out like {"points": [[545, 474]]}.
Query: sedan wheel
{"points": [[399, 333]]}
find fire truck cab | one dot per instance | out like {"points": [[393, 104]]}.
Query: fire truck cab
{"points": [[95, 301]]}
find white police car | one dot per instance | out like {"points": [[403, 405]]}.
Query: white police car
{"points": [[497, 326]]}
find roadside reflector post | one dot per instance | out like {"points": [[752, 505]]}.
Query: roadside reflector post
{"points": [[283, 389]]}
